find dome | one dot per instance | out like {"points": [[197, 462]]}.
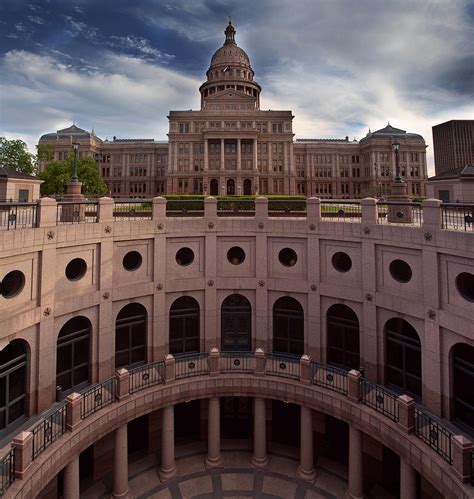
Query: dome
{"points": [[230, 53], [390, 132]]}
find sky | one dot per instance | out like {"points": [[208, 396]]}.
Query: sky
{"points": [[341, 66]]}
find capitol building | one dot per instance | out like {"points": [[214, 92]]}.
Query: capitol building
{"points": [[211, 348]]}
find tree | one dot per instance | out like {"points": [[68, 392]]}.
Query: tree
{"points": [[15, 156], [44, 152], [57, 173]]}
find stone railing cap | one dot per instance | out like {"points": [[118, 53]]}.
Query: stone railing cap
{"points": [[73, 396], [432, 202], [159, 200], [46, 201], [210, 199], [121, 372], [313, 200], [261, 200], [368, 201]]}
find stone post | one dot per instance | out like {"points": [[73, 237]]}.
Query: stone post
{"points": [[71, 479], [305, 369], [168, 467], [170, 368], [23, 449], [431, 209], [369, 210], [407, 480], [260, 362], [406, 411], [210, 209], [105, 208], [75, 211], [313, 210], [214, 362], [306, 469], [214, 458], [353, 385], [261, 208], [159, 209], [259, 456], [73, 411], [356, 482], [47, 212], [399, 213], [461, 457], [123, 384], [121, 462]]}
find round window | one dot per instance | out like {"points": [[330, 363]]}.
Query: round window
{"points": [[236, 255], [76, 269], [341, 261], [12, 284], [287, 257], [185, 256], [132, 260], [400, 270], [465, 285]]}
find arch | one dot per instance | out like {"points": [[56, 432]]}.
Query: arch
{"points": [[343, 337], [402, 356], [462, 373], [247, 187], [236, 324], [130, 336], [13, 380], [73, 354], [184, 334], [214, 187], [288, 326], [230, 187]]}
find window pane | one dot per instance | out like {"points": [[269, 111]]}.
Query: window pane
{"points": [[64, 360], [81, 374], [121, 339], [138, 335], [3, 391], [16, 383], [138, 355], [16, 410], [394, 354], [81, 352], [121, 359]]}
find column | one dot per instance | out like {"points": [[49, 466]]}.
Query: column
{"points": [[206, 155], [214, 458], [168, 466], [259, 456], [239, 155], [175, 157], [356, 488], [121, 462], [71, 479], [222, 155], [306, 469], [407, 480], [255, 155]]}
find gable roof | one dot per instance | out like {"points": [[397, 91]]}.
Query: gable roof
{"points": [[9, 173]]}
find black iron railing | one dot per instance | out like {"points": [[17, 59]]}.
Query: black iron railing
{"points": [[237, 362], [98, 396], [7, 471], [433, 433], [285, 366], [403, 213], [287, 207], [143, 377], [193, 364], [185, 207], [456, 216], [341, 211], [18, 215], [379, 398], [48, 431], [333, 378], [237, 207], [77, 212], [132, 209]]}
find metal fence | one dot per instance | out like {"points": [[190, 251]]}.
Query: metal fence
{"points": [[98, 396], [379, 398], [285, 366], [77, 212], [143, 377], [48, 431], [133, 209], [18, 215], [237, 362], [287, 207], [193, 364], [330, 377], [433, 433], [400, 213], [456, 216], [237, 207], [7, 471], [185, 207], [340, 211]]}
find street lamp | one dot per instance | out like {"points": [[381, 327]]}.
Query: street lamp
{"points": [[75, 146], [396, 148]]}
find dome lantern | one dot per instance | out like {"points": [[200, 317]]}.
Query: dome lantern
{"points": [[229, 33]]}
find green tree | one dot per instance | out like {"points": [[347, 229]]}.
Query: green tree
{"points": [[57, 173], [44, 152], [15, 156]]}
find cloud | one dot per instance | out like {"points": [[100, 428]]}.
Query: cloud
{"points": [[36, 19]]}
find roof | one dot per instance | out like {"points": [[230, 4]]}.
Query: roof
{"points": [[230, 53], [390, 132], [9, 173], [461, 172], [71, 131]]}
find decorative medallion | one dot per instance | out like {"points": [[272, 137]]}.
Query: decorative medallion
{"points": [[210, 282], [210, 225], [50, 234], [428, 236]]}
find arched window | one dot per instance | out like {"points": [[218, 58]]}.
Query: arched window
{"points": [[288, 326], [184, 326], [73, 354], [214, 187], [230, 187], [13, 373], [236, 324], [247, 187], [130, 336], [463, 383], [402, 356], [343, 347]]}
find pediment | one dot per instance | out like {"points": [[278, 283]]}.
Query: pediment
{"points": [[230, 94]]}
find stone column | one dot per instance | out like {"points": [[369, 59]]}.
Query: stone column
{"points": [[356, 483], [121, 462], [239, 155], [222, 155], [71, 479], [168, 466], [306, 469], [206, 155], [407, 480], [255, 155], [214, 458], [259, 456]]}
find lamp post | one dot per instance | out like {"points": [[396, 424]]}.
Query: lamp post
{"points": [[396, 148], [75, 146]]}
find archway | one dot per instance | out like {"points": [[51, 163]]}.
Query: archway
{"points": [[214, 187], [247, 187], [230, 187], [236, 324], [130, 336], [184, 334], [343, 343], [462, 362], [288, 326]]}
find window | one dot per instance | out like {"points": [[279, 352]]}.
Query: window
{"points": [[130, 336], [12, 284], [236, 255], [465, 285], [342, 337], [277, 127], [184, 326], [400, 271], [23, 195], [341, 261], [184, 257], [184, 128], [288, 326], [463, 381], [287, 257], [76, 269], [132, 261], [236, 324]]}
